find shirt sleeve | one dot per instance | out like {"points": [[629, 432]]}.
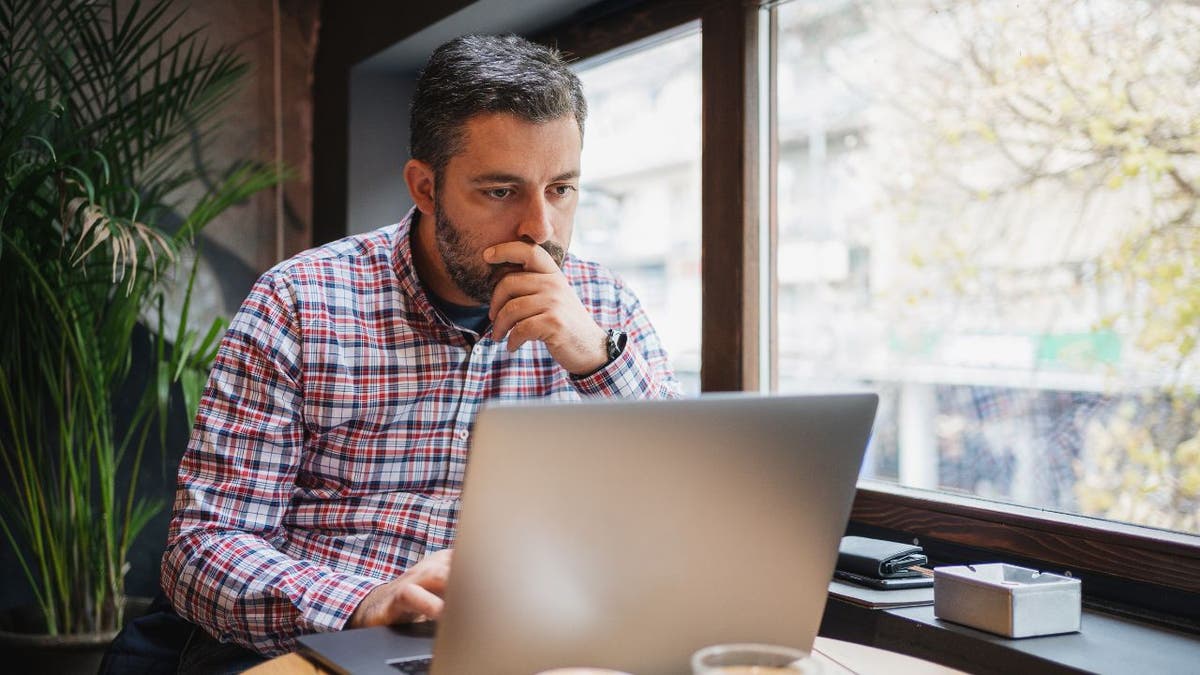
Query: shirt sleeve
{"points": [[642, 370], [220, 569]]}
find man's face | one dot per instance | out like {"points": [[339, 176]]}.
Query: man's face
{"points": [[513, 181]]}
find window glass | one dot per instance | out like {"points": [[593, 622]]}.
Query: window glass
{"points": [[639, 207], [988, 212]]}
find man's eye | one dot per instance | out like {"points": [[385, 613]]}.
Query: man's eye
{"points": [[499, 193], [564, 190]]}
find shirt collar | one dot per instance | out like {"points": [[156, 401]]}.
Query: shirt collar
{"points": [[406, 270]]}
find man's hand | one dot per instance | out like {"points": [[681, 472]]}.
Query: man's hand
{"points": [[413, 596], [539, 304]]}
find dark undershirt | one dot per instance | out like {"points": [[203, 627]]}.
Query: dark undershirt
{"points": [[470, 318]]}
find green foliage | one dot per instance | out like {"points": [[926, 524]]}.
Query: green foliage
{"points": [[1142, 463], [1051, 139], [98, 106], [1043, 158]]}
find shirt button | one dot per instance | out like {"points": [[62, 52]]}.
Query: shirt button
{"points": [[462, 435]]}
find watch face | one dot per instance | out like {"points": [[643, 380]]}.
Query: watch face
{"points": [[616, 343]]}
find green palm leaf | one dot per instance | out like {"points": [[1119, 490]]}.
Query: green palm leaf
{"points": [[102, 102]]}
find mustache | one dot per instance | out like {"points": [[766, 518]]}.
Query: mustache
{"points": [[557, 253]]}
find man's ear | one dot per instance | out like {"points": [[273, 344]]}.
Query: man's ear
{"points": [[420, 179]]}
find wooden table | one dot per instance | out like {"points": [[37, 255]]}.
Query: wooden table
{"points": [[850, 657], [839, 657]]}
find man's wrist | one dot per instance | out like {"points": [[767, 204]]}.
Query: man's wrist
{"points": [[363, 607], [612, 346]]}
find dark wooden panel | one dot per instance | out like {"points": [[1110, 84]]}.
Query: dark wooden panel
{"points": [[299, 26], [1162, 558], [604, 28], [729, 197], [331, 142], [772, 188]]}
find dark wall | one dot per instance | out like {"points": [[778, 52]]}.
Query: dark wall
{"points": [[378, 148], [156, 475], [348, 37]]}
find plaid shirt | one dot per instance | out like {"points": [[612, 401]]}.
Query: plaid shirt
{"points": [[328, 453]]}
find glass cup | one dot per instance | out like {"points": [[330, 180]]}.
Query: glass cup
{"points": [[753, 659]]}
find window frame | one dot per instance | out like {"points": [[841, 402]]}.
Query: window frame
{"points": [[729, 163], [1132, 565], [1067, 541]]}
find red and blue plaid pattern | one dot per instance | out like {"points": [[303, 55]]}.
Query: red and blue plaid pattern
{"points": [[328, 453]]}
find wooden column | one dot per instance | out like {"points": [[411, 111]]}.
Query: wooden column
{"points": [[729, 202]]}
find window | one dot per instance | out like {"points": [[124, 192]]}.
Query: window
{"points": [[639, 207], [988, 212]]}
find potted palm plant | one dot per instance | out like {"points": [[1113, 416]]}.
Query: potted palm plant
{"points": [[98, 106]]}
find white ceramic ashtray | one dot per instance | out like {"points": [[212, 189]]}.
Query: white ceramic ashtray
{"points": [[1007, 600]]}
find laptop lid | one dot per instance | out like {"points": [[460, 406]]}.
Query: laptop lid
{"points": [[627, 535]]}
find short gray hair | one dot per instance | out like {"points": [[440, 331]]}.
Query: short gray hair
{"points": [[476, 74]]}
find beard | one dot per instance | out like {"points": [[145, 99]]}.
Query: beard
{"points": [[463, 258]]}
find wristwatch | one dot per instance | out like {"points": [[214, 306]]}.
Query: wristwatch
{"points": [[615, 343]]}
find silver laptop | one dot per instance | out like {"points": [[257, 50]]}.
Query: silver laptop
{"points": [[627, 535]]}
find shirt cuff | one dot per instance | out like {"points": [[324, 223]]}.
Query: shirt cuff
{"points": [[628, 376], [330, 601]]}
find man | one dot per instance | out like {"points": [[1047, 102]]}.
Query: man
{"points": [[320, 487]]}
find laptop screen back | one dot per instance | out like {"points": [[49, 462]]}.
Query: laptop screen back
{"points": [[627, 535]]}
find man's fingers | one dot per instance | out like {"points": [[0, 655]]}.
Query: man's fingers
{"points": [[527, 330], [515, 311], [434, 577], [408, 602], [415, 600], [515, 285], [433, 571], [534, 258], [560, 321], [415, 594]]}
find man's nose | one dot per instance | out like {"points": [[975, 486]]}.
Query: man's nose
{"points": [[535, 222]]}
